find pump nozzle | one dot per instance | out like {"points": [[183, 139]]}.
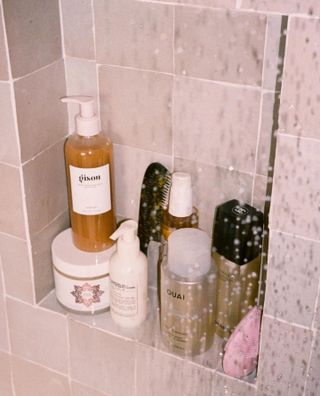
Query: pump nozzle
{"points": [[87, 121], [128, 242]]}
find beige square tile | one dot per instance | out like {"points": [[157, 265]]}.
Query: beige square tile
{"points": [[16, 268], [81, 78], [11, 210], [42, 118], [4, 341], [295, 199], [38, 335], [292, 279], [32, 379], [5, 375], [219, 45], [82, 390], [130, 33], [77, 20], [265, 134], [216, 123], [196, 380], [37, 41], [283, 6], [213, 186], [284, 353], [136, 108], [9, 150], [299, 113], [271, 60], [3, 54], [165, 378], [130, 165], [98, 358], [41, 255], [45, 183]]}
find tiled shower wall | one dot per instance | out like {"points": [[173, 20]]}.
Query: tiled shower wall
{"points": [[189, 84]]}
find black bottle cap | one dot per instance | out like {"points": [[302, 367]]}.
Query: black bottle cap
{"points": [[237, 232]]}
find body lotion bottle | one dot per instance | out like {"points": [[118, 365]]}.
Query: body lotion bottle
{"points": [[88, 156], [128, 278]]}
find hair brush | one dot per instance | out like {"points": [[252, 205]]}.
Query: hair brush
{"points": [[153, 200]]}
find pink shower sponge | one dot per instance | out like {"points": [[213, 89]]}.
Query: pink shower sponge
{"points": [[242, 349]]}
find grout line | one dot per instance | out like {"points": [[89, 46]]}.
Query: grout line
{"points": [[225, 83], [7, 163], [298, 137], [237, 9], [51, 222], [61, 373], [295, 235], [247, 173], [62, 30], [78, 58], [93, 20], [300, 326], [173, 90], [38, 70], [68, 354], [309, 363], [259, 134], [44, 150], [314, 334]]}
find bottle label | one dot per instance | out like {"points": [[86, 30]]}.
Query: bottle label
{"points": [[123, 299], [90, 190]]}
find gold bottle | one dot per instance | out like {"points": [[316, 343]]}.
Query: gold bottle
{"points": [[236, 247], [88, 156], [180, 213]]}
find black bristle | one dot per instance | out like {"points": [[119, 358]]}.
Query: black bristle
{"points": [[153, 199]]}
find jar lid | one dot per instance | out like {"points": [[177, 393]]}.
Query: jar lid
{"points": [[72, 261]]}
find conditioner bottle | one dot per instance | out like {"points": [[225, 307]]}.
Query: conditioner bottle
{"points": [[88, 155], [128, 278]]}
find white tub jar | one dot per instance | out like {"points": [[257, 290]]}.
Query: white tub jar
{"points": [[81, 278]]}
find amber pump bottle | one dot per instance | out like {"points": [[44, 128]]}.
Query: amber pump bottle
{"points": [[180, 213], [88, 157]]}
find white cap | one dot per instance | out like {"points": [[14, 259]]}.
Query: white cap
{"points": [[189, 253], [128, 242], [87, 123], [180, 200]]}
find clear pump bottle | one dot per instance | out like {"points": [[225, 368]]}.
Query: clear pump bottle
{"points": [[88, 156]]}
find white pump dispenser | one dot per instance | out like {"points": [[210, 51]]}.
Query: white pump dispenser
{"points": [[128, 277], [87, 122]]}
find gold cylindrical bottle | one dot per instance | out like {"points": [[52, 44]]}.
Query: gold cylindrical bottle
{"points": [[237, 238]]}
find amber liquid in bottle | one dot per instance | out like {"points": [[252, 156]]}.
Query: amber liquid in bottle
{"points": [[90, 232], [171, 223]]}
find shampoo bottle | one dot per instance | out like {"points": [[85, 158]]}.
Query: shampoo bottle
{"points": [[128, 278], [88, 156]]}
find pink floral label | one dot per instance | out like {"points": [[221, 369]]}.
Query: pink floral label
{"points": [[87, 294]]}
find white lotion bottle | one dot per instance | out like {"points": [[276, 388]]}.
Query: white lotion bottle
{"points": [[128, 278]]}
